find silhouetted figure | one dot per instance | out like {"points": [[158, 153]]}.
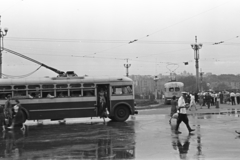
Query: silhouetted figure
{"points": [[182, 115], [174, 104], [182, 147], [208, 99]]}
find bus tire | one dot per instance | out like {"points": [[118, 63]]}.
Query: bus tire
{"points": [[121, 113]]}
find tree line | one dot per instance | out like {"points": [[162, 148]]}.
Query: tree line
{"points": [[218, 80]]}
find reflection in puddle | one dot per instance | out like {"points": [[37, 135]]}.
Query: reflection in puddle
{"points": [[228, 112], [181, 143], [76, 141]]}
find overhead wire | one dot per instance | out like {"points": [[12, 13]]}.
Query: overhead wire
{"points": [[11, 7], [108, 41], [137, 39], [220, 42], [177, 23], [21, 76]]}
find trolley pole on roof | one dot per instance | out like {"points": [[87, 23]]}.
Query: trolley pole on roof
{"points": [[2, 34], [196, 48], [127, 66]]}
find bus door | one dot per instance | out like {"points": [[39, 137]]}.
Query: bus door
{"points": [[103, 98]]}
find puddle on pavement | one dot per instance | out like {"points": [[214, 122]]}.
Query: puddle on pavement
{"points": [[227, 112], [75, 141], [93, 141]]}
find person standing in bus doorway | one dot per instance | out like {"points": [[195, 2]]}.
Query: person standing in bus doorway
{"points": [[182, 115], [2, 119], [102, 101], [174, 104], [8, 110]]}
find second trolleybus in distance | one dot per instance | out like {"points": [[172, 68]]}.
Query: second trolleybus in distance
{"points": [[70, 97], [171, 89]]}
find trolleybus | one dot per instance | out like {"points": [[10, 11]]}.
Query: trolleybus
{"points": [[171, 89], [70, 97]]}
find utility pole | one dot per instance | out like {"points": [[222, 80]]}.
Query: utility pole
{"points": [[2, 34], [196, 48], [127, 66], [156, 87], [201, 78]]}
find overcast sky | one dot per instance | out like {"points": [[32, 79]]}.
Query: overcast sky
{"points": [[92, 37]]}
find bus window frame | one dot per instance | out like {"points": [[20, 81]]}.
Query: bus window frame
{"points": [[121, 87], [16, 93], [71, 90], [177, 88], [87, 89], [171, 89]]}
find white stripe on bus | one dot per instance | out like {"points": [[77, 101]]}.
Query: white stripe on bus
{"points": [[120, 97], [42, 110], [68, 99]]}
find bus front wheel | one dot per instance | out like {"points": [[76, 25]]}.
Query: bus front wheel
{"points": [[121, 113]]}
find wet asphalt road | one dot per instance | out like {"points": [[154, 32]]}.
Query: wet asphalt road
{"points": [[144, 136]]}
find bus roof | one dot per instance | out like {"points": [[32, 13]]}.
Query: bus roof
{"points": [[168, 84], [62, 80]]}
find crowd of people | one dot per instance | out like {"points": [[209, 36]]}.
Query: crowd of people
{"points": [[211, 98], [208, 98]]}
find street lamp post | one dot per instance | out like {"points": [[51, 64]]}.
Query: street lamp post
{"points": [[201, 77], [127, 66], [2, 34], [156, 86], [196, 48]]}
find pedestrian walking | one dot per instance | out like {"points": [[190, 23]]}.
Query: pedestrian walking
{"points": [[196, 98], [232, 95], [221, 97], [238, 97], [8, 110], [17, 115], [182, 115], [208, 99], [201, 100], [174, 104], [192, 102]]}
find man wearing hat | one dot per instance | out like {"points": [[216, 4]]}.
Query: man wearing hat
{"points": [[182, 115]]}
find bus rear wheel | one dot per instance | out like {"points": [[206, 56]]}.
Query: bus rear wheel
{"points": [[121, 113]]}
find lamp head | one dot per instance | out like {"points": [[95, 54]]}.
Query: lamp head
{"points": [[5, 30], [192, 45]]}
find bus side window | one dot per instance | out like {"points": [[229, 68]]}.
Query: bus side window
{"points": [[118, 90], [34, 91], [3, 95], [129, 89], [19, 93], [47, 93], [4, 91], [76, 92], [113, 90], [126, 90], [62, 93], [88, 92]]}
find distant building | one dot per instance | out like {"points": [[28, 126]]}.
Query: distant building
{"points": [[185, 74], [146, 84], [207, 74]]}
